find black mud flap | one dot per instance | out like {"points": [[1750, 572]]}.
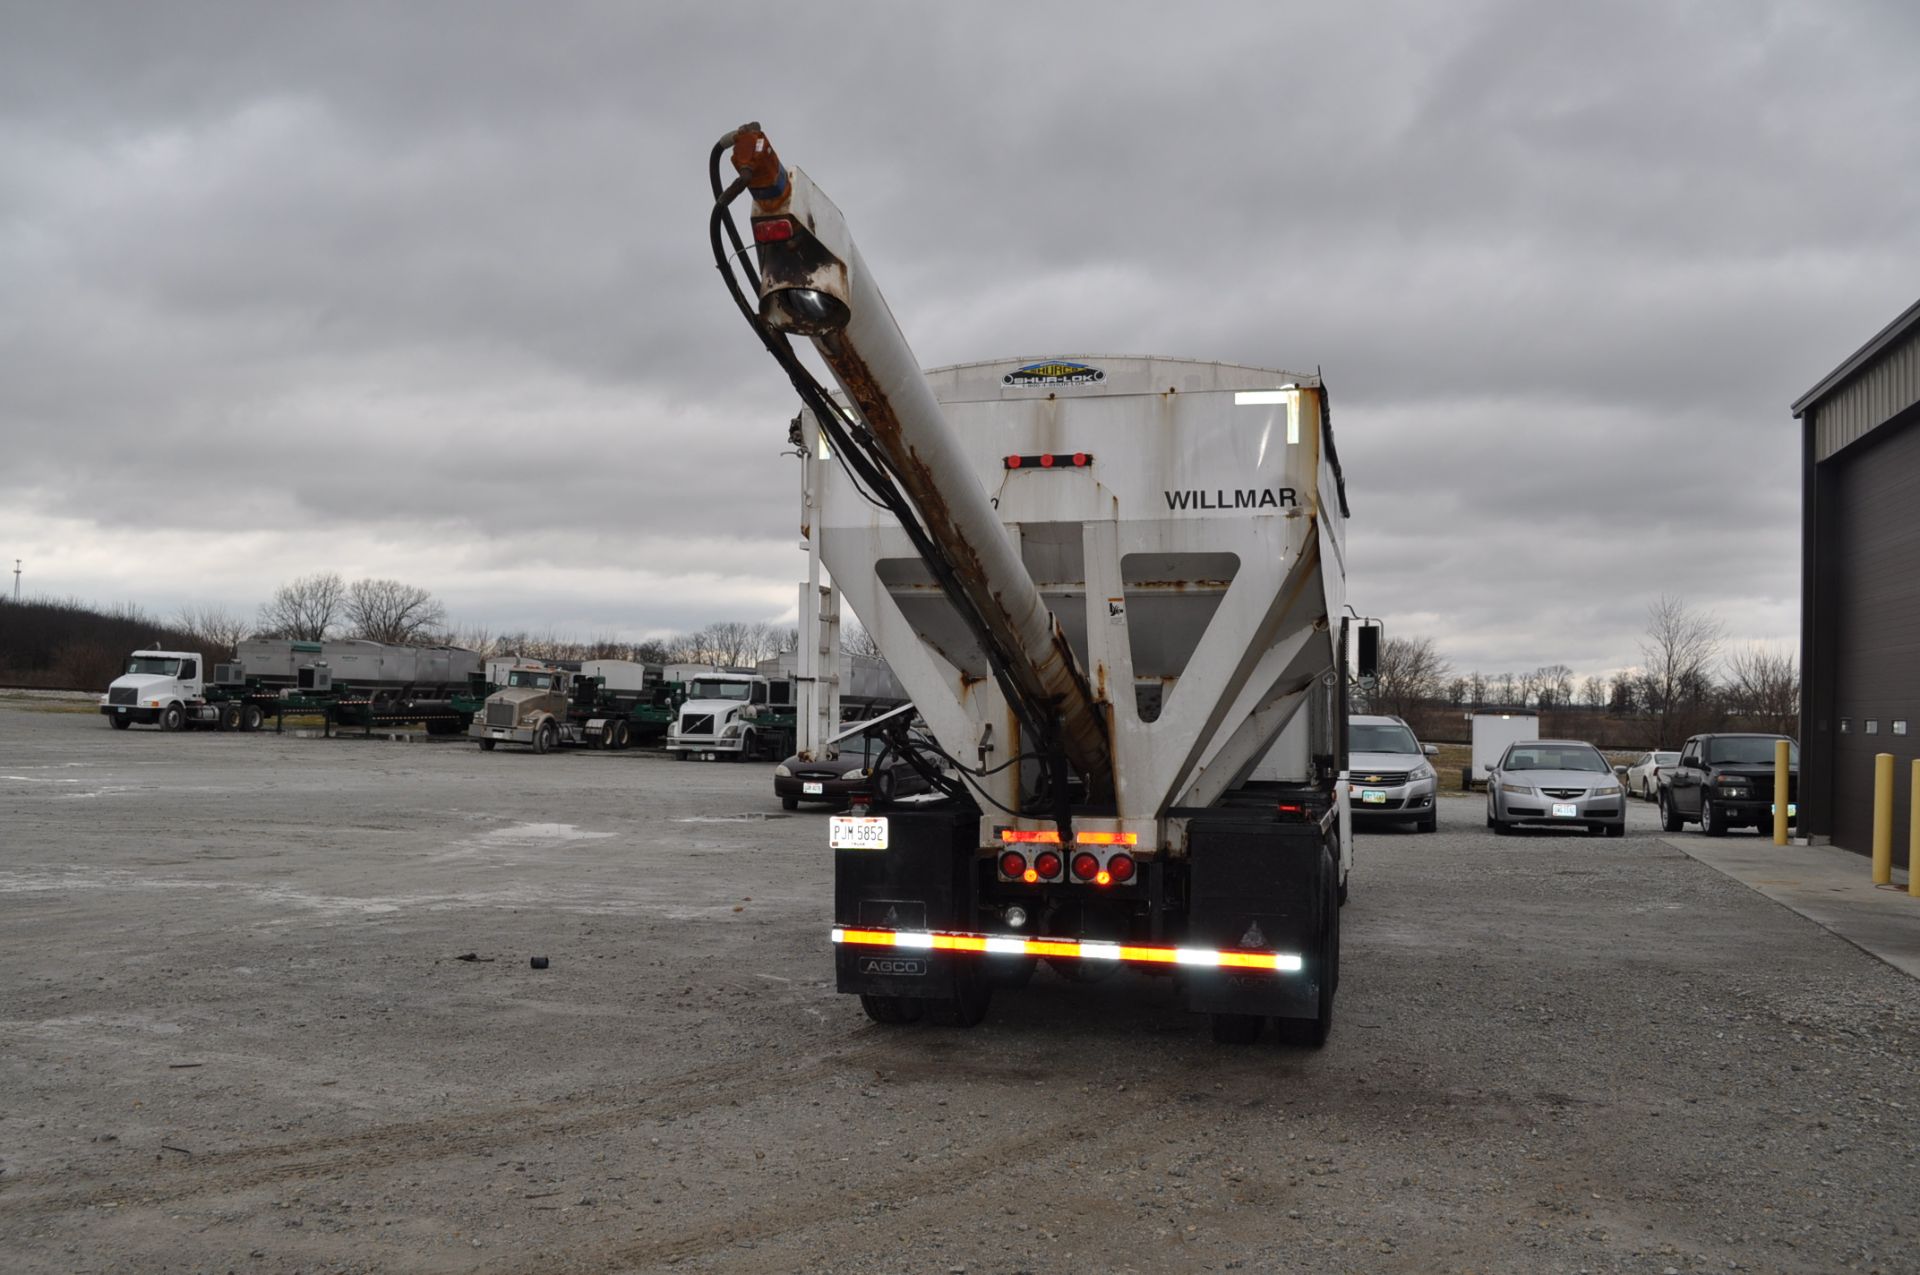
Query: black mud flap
{"points": [[922, 881], [1257, 885]]}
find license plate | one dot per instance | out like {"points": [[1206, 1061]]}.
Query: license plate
{"points": [[1793, 809], [857, 832], [1373, 796], [812, 789], [121, 709], [499, 734], [1566, 812]]}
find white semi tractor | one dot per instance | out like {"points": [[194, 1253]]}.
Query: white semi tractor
{"points": [[1109, 584]]}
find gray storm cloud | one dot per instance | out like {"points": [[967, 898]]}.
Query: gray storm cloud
{"points": [[425, 290]]}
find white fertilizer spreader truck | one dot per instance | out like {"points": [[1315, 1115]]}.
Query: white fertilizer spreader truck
{"points": [[1108, 585]]}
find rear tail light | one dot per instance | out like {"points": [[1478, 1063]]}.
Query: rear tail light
{"points": [[772, 230], [1047, 864], [1085, 866], [1013, 864], [1120, 868]]}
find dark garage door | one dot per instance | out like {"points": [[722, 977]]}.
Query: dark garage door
{"points": [[1876, 532]]}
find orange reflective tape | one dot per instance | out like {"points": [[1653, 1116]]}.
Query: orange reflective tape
{"points": [[1024, 836], [868, 938], [1248, 960], [1149, 955], [1052, 947], [960, 942], [1107, 838]]}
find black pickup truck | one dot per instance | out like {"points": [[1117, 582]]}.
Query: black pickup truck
{"points": [[1726, 781]]}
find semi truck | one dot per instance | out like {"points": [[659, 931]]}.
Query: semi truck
{"points": [[734, 716], [347, 682], [1109, 585], [607, 704]]}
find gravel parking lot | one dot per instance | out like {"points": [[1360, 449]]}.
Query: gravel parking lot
{"points": [[236, 1034]]}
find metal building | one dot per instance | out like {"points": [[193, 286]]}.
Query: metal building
{"points": [[1860, 583]]}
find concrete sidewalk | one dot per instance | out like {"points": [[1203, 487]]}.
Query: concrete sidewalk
{"points": [[1830, 887]]}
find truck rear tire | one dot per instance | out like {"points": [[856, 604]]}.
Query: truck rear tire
{"points": [[622, 736], [893, 1011], [1237, 1029], [251, 717], [173, 718], [1313, 1032], [119, 721], [229, 717], [545, 738]]}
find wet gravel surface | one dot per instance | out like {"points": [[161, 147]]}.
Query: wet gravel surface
{"points": [[235, 1034]]}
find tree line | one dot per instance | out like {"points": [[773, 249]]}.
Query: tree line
{"points": [[1687, 682]]}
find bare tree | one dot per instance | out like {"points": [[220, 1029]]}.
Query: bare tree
{"points": [[855, 640], [1680, 648], [1552, 685], [389, 611], [1593, 692], [1764, 686], [306, 609], [1411, 673], [1505, 688], [214, 629], [1457, 690], [473, 637], [1477, 688]]}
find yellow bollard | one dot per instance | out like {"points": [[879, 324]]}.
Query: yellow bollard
{"points": [[1780, 748], [1882, 818], [1913, 834]]}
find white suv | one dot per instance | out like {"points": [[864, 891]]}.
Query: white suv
{"points": [[1389, 775]]}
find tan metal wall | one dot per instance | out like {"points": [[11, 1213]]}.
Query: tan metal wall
{"points": [[1875, 395]]}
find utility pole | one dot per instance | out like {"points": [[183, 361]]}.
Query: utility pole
{"points": [[16, 579]]}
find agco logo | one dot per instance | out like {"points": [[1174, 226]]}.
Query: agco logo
{"points": [[910, 965], [1055, 373]]}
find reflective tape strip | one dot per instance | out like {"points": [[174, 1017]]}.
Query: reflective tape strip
{"points": [[1009, 945]]}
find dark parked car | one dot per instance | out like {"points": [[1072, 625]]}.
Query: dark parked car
{"points": [[1726, 781], [836, 781]]}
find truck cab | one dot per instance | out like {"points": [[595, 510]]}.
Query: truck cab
{"points": [[727, 715], [164, 688], [530, 709]]}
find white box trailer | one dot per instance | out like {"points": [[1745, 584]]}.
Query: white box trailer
{"points": [[622, 675], [1493, 730]]}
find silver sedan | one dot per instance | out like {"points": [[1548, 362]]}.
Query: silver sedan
{"points": [[1561, 783]]}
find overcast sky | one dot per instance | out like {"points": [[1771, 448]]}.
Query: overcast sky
{"points": [[422, 290]]}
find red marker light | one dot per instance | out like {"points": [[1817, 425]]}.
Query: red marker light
{"points": [[1047, 864], [1013, 864], [1085, 866], [772, 230], [1046, 460], [1082, 460], [1013, 462], [1120, 868]]}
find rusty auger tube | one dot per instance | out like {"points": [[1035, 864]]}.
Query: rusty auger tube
{"points": [[815, 270]]}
